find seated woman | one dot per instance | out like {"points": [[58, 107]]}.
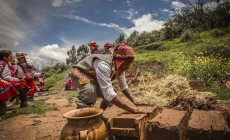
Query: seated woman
{"points": [[68, 84], [26, 71], [9, 75], [7, 91]]}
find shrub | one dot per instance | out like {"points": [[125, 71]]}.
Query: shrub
{"points": [[206, 68], [186, 36], [217, 32], [216, 51]]}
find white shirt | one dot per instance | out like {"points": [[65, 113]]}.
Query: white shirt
{"points": [[103, 73], [20, 72], [6, 74]]}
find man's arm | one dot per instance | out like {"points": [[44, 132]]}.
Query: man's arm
{"points": [[128, 94], [124, 88], [103, 72]]}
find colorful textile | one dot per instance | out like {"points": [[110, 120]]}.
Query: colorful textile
{"points": [[95, 52], [123, 57], [69, 83], [123, 52], [32, 86], [12, 69], [41, 80], [82, 77], [20, 85], [28, 70], [7, 92]]}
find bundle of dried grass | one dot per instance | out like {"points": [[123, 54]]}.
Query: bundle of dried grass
{"points": [[174, 91]]}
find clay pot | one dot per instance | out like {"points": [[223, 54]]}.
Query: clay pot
{"points": [[84, 124]]}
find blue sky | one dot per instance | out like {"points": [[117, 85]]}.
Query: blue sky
{"points": [[46, 29]]}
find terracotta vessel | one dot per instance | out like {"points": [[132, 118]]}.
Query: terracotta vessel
{"points": [[84, 124]]}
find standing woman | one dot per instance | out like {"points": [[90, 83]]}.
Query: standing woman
{"points": [[94, 47], [26, 72], [108, 48], [9, 75]]}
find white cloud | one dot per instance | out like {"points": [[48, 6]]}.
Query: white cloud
{"points": [[145, 23], [129, 3], [18, 28], [109, 25], [167, 11], [58, 3], [48, 55], [11, 31], [141, 24], [128, 14], [177, 5]]}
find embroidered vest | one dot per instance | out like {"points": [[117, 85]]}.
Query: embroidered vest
{"points": [[28, 70], [12, 70], [84, 71]]}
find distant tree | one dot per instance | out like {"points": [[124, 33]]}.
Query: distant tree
{"points": [[132, 39], [82, 52], [75, 55], [72, 53], [120, 39]]}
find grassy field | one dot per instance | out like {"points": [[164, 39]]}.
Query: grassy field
{"points": [[205, 56]]}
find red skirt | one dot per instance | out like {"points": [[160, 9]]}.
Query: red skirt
{"points": [[20, 85], [7, 92], [32, 86], [41, 84]]}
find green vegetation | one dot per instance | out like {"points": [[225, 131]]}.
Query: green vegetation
{"points": [[70, 96], [40, 108], [56, 80], [206, 58]]}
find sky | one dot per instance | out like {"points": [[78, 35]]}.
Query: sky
{"points": [[47, 29]]}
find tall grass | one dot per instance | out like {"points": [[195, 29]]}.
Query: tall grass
{"points": [[56, 80]]}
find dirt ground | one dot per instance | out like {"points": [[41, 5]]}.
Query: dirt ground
{"points": [[47, 126]]}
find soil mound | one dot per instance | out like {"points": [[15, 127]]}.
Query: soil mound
{"points": [[194, 100]]}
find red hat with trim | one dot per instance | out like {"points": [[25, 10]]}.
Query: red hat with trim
{"points": [[107, 44], [93, 43]]}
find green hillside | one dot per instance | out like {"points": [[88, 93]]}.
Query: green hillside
{"points": [[204, 56]]}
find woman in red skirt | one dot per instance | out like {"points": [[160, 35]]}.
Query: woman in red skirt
{"points": [[7, 91], [9, 75], [26, 71]]}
